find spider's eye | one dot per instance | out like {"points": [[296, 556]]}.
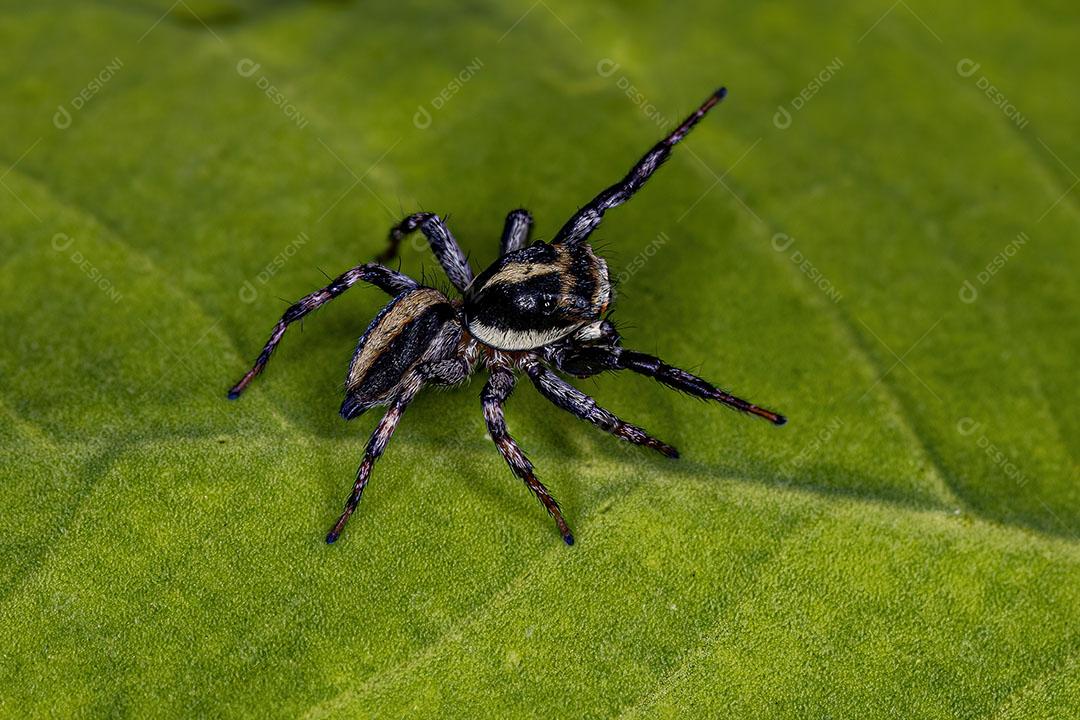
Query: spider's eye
{"points": [[525, 303], [532, 303], [535, 296]]}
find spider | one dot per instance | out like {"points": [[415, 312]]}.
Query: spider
{"points": [[540, 307]]}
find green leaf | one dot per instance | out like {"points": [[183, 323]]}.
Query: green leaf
{"points": [[875, 234]]}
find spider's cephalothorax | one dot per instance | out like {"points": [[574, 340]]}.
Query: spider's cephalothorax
{"points": [[538, 309], [537, 295]]}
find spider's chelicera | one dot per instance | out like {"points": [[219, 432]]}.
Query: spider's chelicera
{"points": [[540, 308]]}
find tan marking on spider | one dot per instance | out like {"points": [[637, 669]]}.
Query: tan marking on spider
{"points": [[404, 312], [603, 286], [520, 272], [597, 270], [564, 262]]}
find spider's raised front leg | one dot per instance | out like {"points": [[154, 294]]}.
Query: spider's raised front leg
{"points": [[394, 283], [569, 398], [516, 231], [498, 388], [446, 249], [584, 361], [578, 228]]}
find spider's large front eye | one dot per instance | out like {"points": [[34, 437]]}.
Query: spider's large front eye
{"points": [[547, 303], [525, 303], [531, 303]]}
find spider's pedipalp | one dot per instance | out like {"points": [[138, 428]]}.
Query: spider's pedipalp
{"points": [[388, 280], [497, 389], [578, 228], [515, 233], [574, 401], [442, 242]]}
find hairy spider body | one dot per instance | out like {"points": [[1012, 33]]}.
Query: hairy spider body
{"points": [[417, 329], [539, 307], [537, 295]]}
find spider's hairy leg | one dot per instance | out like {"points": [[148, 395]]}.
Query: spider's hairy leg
{"points": [[569, 398], [578, 228], [442, 242], [516, 231], [445, 372], [375, 447], [585, 361], [384, 278], [497, 389], [678, 379]]}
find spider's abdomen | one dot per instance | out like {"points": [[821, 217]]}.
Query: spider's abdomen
{"points": [[536, 295], [417, 326]]}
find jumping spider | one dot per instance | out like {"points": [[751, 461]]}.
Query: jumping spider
{"points": [[539, 306]]}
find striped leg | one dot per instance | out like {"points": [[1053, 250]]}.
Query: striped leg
{"points": [[389, 280], [375, 447], [678, 379], [569, 398], [498, 388], [442, 242], [578, 228], [515, 232], [591, 360]]}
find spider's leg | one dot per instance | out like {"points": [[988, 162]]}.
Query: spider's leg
{"points": [[498, 388], [379, 438], [688, 383], [516, 231], [586, 361], [569, 398], [389, 280], [446, 372], [578, 228], [442, 242]]}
